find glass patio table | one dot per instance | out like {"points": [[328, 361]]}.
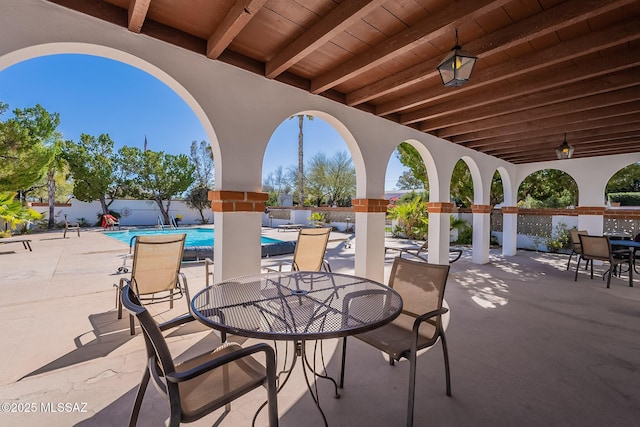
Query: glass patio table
{"points": [[297, 306]]}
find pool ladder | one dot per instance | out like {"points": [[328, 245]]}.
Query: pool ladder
{"points": [[172, 222]]}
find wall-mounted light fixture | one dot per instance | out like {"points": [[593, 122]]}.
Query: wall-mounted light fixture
{"points": [[564, 150], [456, 68]]}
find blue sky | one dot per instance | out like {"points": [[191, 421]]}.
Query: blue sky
{"points": [[96, 95]]}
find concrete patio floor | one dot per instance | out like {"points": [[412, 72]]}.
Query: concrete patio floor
{"points": [[528, 347]]}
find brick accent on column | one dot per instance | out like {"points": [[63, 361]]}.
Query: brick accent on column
{"points": [[237, 201], [590, 210], [509, 209], [370, 205], [482, 209], [440, 207]]}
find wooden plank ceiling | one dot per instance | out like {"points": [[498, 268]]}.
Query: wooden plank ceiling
{"points": [[545, 67]]}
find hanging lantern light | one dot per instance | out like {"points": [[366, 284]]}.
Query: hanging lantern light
{"points": [[456, 68], [564, 150]]}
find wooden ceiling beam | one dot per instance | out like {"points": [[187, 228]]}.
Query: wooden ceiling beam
{"points": [[536, 123], [338, 20], [137, 13], [588, 44], [597, 149], [575, 142], [546, 22], [442, 22], [583, 90], [234, 21], [532, 138], [492, 95]]}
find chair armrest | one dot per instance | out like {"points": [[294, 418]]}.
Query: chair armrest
{"points": [[174, 323], [426, 316], [207, 271], [177, 377], [326, 265], [273, 270], [123, 282]]}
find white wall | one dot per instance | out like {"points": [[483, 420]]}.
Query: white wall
{"points": [[141, 212]]}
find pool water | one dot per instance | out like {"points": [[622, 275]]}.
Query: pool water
{"points": [[195, 236]]}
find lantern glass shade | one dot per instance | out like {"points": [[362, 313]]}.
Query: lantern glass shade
{"points": [[456, 68], [564, 150]]}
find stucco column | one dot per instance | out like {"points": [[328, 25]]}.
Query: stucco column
{"points": [[237, 217], [481, 233], [591, 218], [509, 230], [370, 216], [439, 223]]}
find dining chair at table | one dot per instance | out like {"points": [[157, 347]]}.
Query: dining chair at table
{"points": [[310, 250], [576, 248], [155, 273], [204, 383], [419, 325], [599, 248]]}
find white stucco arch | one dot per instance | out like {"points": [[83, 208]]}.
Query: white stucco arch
{"points": [[509, 195], [59, 48], [479, 180], [347, 137]]}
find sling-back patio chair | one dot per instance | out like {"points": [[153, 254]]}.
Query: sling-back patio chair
{"points": [[576, 247], [155, 274], [599, 248], [419, 326], [204, 383], [310, 250]]}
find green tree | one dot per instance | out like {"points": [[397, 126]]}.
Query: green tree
{"points": [[626, 180], [462, 185], [92, 164], [317, 178], [548, 188], [276, 183], [159, 176], [417, 174], [341, 179], [25, 147], [201, 156]]}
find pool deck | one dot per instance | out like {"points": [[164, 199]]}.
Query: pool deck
{"points": [[528, 346]]}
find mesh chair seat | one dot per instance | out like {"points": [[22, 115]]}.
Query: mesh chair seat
{"points": [[394, 338], [204, 392]]}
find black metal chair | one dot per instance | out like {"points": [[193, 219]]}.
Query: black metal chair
{"points": [[201, 384], [419, 326], [599, 248]]}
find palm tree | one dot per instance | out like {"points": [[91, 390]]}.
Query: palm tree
{"points": [[300, 155]]}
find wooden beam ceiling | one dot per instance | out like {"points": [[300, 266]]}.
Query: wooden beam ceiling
{"points": [[544, 68]]}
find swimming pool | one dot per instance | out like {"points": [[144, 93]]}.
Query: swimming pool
{"points": [[199, 241], [195, 236]]}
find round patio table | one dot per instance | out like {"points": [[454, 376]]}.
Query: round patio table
{"points": [[297, 306]]}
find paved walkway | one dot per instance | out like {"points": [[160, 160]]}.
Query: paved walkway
{"points": [[528, 347]]}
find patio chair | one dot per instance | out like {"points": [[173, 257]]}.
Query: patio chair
{"points": [[419, 326], [204, 383], [69, 227], [110, 222], [576, 248], [310, 249], [599, 248], [155, 274]]}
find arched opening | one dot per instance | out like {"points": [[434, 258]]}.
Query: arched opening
{"points": [[623, 193], [540, 195], [110, 100]]}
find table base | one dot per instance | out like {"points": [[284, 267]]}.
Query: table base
{"points": [[300, 352]]}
